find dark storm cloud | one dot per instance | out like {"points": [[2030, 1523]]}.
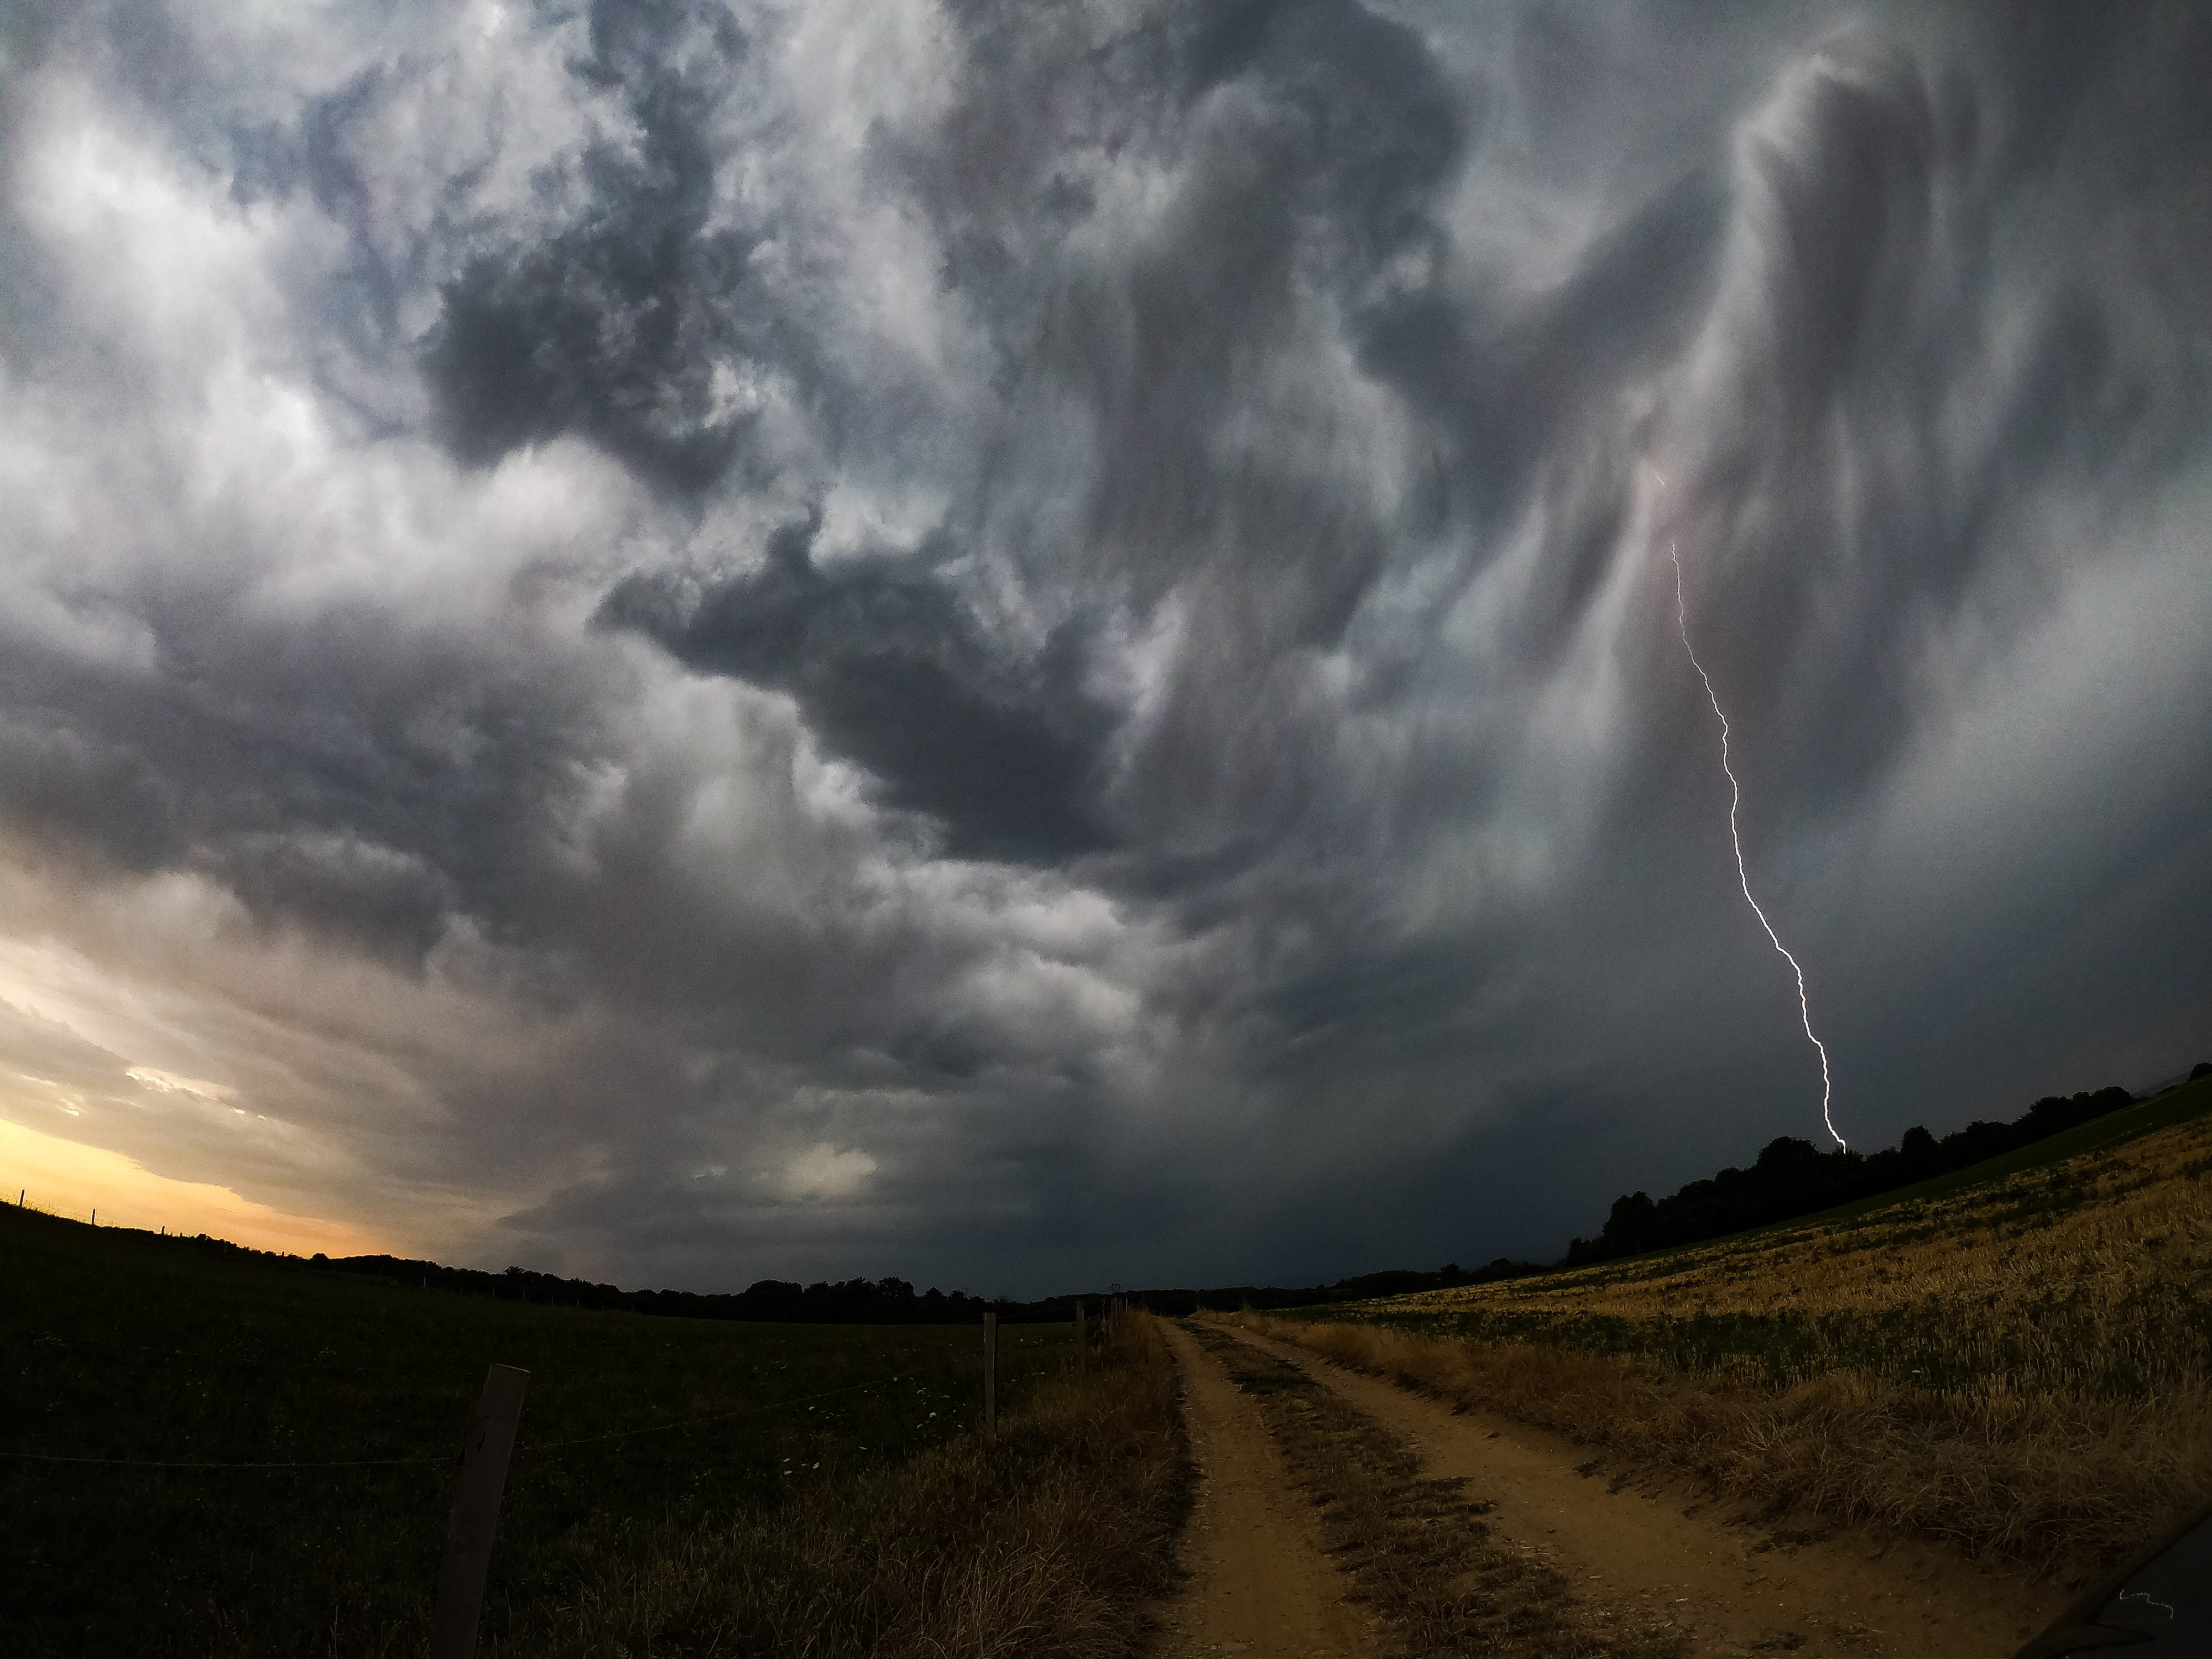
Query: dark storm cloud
{"points": [[1195, 464], [1944, 317], [893, 674], [1313, 145], [618, 328], [331, 771], [1510, 399], [1298, 153]]}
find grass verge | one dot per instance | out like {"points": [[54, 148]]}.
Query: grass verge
{"points": [[1416, 1549]]}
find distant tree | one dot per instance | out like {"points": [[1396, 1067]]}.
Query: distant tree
{"points": [[1628, 1229], [1793, 1177], [2202, 1070]]}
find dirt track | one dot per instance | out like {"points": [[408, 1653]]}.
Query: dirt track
{"points": [[1259, 1584]]}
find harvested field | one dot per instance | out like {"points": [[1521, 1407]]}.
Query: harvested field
{"points": [[2022, 1367]]}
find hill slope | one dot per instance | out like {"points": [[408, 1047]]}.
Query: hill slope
{"points": [[2080, 1265], [2017, 1357]]}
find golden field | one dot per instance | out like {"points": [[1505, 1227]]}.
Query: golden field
{"points": [[2088, 1277], [2021, 1364]]}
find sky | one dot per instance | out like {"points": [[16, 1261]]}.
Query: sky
{"points": [[1030, 646]]}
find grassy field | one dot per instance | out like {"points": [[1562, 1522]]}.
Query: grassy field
{"points": [[2018, 1356], [141, 1350]]}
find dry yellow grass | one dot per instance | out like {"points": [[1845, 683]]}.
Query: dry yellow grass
{"points": [[2021, 1368], [2091, 1277]]}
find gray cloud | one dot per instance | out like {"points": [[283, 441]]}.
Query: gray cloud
{"points": [[893, 675], [619, 327], [700, 641]]}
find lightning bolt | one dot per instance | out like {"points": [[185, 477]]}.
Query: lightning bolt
{"points": [[1735, 837]]}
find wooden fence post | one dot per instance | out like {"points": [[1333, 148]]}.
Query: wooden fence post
{"points": [[1082, 1340], [990, 1377], [476, 1514]]}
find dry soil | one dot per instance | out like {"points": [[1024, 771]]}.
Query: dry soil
{"points": [[1258, 1582], [1734, 1586]]}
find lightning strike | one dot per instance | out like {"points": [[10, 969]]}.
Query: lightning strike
{"points": [[1735, 838]]}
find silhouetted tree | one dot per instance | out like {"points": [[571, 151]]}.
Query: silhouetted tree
{"points": [[1793, 1177]]}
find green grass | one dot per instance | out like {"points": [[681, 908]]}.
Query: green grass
{"points": [[126, 1347]]}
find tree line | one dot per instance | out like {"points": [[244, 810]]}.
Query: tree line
{"points": [[1794, 1178], [1790, 1178]]}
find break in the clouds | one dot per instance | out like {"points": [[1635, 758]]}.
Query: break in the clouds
{"points": [[1028, 645]]}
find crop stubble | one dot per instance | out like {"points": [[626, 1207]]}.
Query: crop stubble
{"points": [[2023, 1368]]}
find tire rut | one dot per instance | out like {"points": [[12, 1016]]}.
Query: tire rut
{"points": [[1734, 1589]]}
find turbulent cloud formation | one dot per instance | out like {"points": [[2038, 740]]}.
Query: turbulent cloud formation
{"points": [[893, 675], [696, 641]]}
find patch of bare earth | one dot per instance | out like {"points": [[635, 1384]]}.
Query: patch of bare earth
{"points": [[1730, 1584], [1412, 1547]]}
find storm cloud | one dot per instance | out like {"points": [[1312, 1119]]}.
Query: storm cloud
{"points": [[893, 675], [694, 641]]}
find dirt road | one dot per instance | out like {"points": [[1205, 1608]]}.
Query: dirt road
{"points": [[1258, 1583], [1732, 1587]]}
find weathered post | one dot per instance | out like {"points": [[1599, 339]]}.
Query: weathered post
{"points": [[990, 1377], [1082, 1340], [476, 1514]]}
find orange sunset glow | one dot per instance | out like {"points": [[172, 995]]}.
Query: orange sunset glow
{"points": [[64, 1178]]}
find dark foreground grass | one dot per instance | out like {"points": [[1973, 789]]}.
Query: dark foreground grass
{"points": [[138, 1351], [1416, 1549], [1048, 1542]]}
